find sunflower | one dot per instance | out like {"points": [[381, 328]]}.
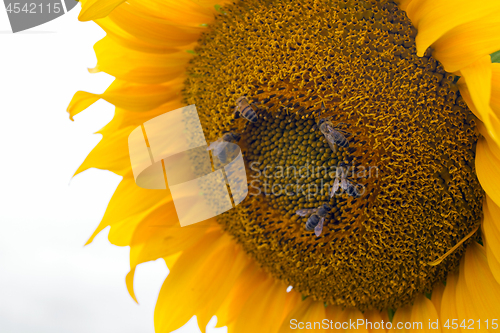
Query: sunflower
{"points": [[413, 234]]}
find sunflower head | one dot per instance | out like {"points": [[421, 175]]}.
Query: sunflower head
{"points": [[407, 145], [369, 132]]}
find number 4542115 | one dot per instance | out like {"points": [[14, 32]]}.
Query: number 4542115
{"points": [[471, 324], [33, 8]]}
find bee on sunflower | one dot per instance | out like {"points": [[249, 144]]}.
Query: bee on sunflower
{"points": [[416, 85]]}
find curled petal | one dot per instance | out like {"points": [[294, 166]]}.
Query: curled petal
{"points": [[449, 301], [491, 231], [478, 78], [423, 310], [139, 67], [248, 284], [468, 43], [402, 316], [306, 311], [200, 280], [129, 96], [373, 316], [488, 168], [477, 290], [127, 208], [437, 296], [434, 19], [95, 9]]}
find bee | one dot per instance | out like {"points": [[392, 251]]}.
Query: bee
{"points": [[334, 135], [342, 182], [244, 109], [218, 147], [316, 220]]}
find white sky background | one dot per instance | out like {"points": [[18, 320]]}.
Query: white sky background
{"points": [[49, 282]]}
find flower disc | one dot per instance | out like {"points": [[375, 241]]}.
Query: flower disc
{"points": [[410, 154]]}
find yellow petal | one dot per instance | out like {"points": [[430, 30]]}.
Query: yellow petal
{"points": [[139, 67], [129, 281], [167, 316], [267, 307], [160, 235], [441, 16], [130, 96], [491, 236], [478, 78], [247, 284], [402, 316], [127, 40], [466, 309], [130, 118], [355, 316], [494, 263], [199, 281], [172, 259], [337, 315], [468, 43], [80, 101], [180, 12], [449, 302], [94, 9], [422, 312], [306, 317], [477, 288], [495, 88], [128, 206], [418, 9], [223, 282], [437, 296], [464, 92], [129, 278], [403, 4], [152, 29], [488, 169], [489, 142], [111, 153], [373, 317]]}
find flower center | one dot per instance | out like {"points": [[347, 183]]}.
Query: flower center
{"points": [[406, 189]]}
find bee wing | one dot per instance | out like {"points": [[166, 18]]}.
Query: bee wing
{"points": [[319, 228], [304, 212], [331, 142], [327, 128], [344, 184], [335, 187], [255, 105]]}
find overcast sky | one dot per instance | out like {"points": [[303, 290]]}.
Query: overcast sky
{"points": [[49, 282]]}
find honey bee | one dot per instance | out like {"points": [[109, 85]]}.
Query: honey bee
{"points": [[342, 182], [316, 220], [218, 147], [244, 109], [334, 135]]}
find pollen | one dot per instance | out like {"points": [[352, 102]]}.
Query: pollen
{"points": [[410, 154]]}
